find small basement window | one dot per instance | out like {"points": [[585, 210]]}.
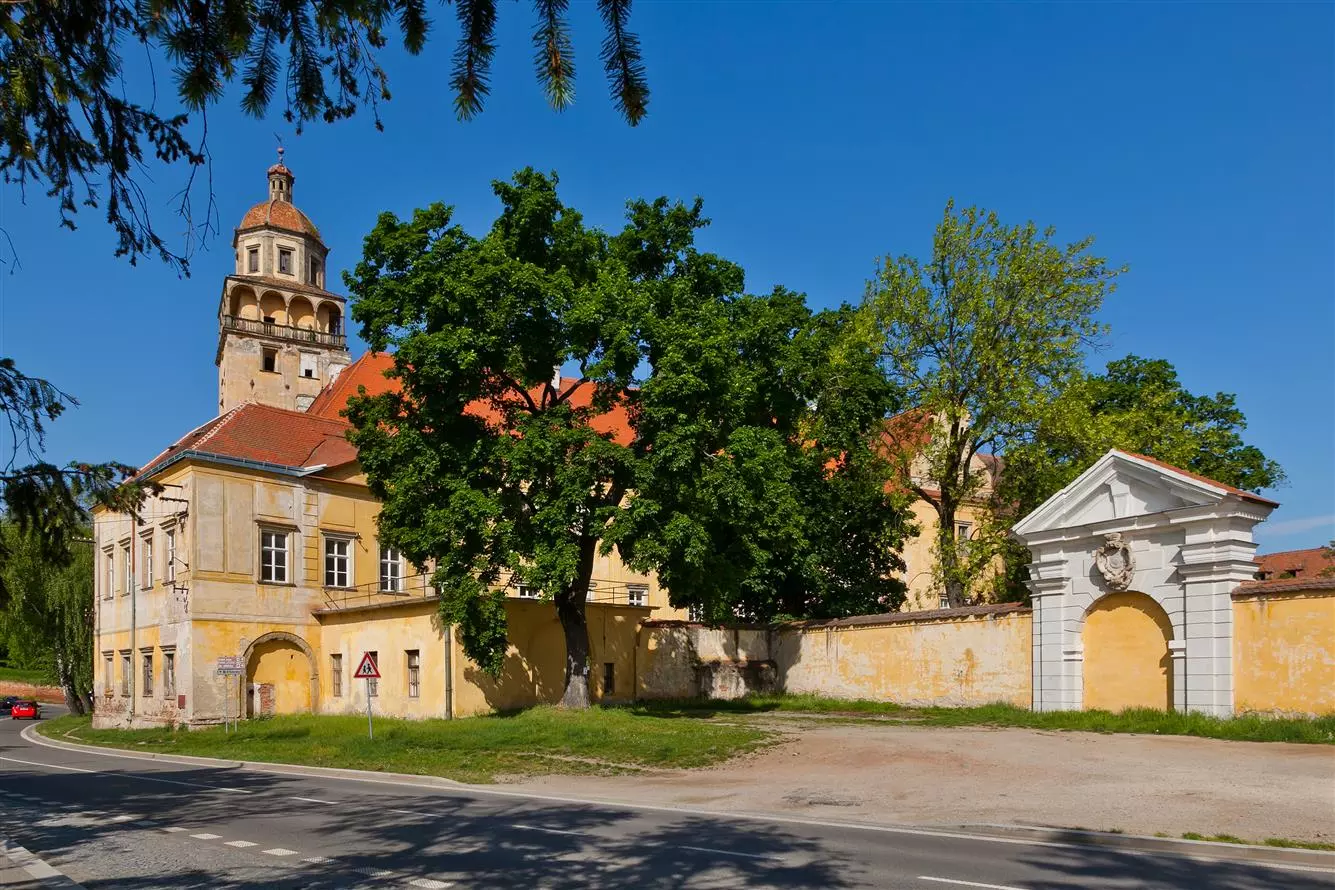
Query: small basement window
{"points": [[269, 360]]}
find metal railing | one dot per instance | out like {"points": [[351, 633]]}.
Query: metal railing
{"points": [[284, 332], [418, 587]]}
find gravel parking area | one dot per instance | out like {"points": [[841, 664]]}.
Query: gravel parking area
{"points": [[961, 776]]}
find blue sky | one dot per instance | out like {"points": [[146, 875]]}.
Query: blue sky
{"points": [[1195, 141]]}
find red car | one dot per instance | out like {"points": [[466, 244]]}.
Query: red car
{"points": [[29, 709]]}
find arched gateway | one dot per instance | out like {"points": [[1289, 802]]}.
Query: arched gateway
{"points": [[1133, 566], [282, 676]]}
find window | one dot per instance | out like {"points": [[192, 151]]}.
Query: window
{"points": [[252, 260], [108, 574], [337, 562], [414, 658], [609, 678], [147, 689], [126, 669], [637, 596], [169, 570], [285, 260], [269, 319], [308, 361], [108, 673], [269, 359], [391, 569], [127, 566], [336, 675], [962, 532], [314, 275], [527, 593], [169, 675], [273, 557], [695, 613], [372, 683], [146, 555], [943, 602]]}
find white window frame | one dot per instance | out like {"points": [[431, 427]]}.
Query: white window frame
{"points": [[127, 568], [146, 556], [637, 595], [330, 575], [413, 660], [526, 592], [391, 569], [108, 572], [271, 565], [169, 554], [308, 361]]}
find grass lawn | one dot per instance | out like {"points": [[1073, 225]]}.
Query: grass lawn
{"points": [[1268, 842], [1312, 730], [477, 749], [18, 675]]}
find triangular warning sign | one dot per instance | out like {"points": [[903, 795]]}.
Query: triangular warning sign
{"points": [[367, 668]]}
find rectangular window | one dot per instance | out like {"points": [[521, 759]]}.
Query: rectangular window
{"points": [[373, 683], [609, 678], [285, 260], [169, 675], [147, 689], [146, 557], [127, 569], [637, 596], [962, 532], [127, 667], [414, 658], [695, 613], [527, 593], [273, 557], [108, 574], [391, 570], [337, 562], [315, 271], [169, 570], [336, 675], [108, 673], [269, 360], [252, 260], [943, 602], [308, 362]]}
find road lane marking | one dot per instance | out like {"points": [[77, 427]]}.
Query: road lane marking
{"points": [[138, 776], [280, 851], [205, 836], [317, 860], [175, 828], [429, 884], [727, 852], [546, 830], [242, 844], [967, 883], [314, 800], [68, 769]]}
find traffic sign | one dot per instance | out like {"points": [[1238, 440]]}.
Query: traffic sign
{"points": [[367, 670]]}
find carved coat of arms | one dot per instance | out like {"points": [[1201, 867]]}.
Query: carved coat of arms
{"points": [[1114, 562]]}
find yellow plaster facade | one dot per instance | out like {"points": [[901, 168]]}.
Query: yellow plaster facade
{"points": [[1127, 661], [1284, 652]]}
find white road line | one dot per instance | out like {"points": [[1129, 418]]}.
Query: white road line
{"points": [[967, 883], [175, 828], [546, 830], [241, 844], [36, 868], [314, 800], [317, 860], [726, 852], [280, 851], [205, 836], [138, 776], [429, 884], [68, 769]]}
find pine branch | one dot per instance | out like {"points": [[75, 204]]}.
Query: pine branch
{"points": [[622, 62]]}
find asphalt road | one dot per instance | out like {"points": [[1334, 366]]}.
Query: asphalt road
{"points": [[114, 822]]}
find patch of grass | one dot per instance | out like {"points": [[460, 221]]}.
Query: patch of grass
{"points": [[22, 675], [1146, 721], [477, 749], [1268, 842]]}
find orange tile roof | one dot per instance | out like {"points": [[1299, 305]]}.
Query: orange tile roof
{"points": [[1245, 495], [279, 215], [1301, 564], [265, 434]]}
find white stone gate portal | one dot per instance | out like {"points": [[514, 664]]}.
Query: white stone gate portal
{"points": [[1130, 524]]}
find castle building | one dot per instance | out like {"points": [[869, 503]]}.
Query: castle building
{"points": [[255, 582]]}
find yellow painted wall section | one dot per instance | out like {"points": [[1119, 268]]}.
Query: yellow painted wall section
{"points": [[285, 667], [1127, 664], [392, 633], [1284, 653]]}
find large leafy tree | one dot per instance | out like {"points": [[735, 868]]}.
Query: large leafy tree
{"points": [[78, 123], [714, 437], [981, 337]]}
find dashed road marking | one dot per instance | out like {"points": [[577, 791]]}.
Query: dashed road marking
{"points": [[728, 852], [429, 884], [313, 800], [205, 836], [280, 851], [317, 860], [546, 830], [174, 828], [957, 883], [242, 844]]}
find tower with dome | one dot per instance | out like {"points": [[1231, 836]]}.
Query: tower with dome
{"points": [[281, 335]]}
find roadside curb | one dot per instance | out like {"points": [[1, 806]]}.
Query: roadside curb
{"points": [[1147, 843], [31, 734], [1303, 860]]}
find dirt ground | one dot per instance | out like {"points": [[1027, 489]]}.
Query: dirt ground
{"points": [[27, 690], [961, 776]]}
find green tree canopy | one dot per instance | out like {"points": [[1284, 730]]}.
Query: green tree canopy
{"points": [[79, 124], [717, 438], [982, 336]]}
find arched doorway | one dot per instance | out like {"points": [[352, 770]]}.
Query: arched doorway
{"points": [[281, 676], [1127, 662]]}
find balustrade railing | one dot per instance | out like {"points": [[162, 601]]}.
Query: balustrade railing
{"points": [[284, 332]]}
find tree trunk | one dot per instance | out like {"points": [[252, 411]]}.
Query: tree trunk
{"points": [[948, 553], [66, 677], [87, 698], [575, 626]]}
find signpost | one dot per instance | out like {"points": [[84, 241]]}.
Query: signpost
{"points": [[368, 671], [229, 666]]}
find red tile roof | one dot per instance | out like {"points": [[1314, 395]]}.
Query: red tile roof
{"points": [[264, 434], [1245, 495], [1300, 564], [279, 215]]}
